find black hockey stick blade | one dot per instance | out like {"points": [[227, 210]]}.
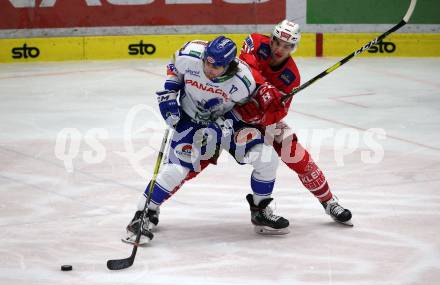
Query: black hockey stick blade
{"points": [[118, 264]]}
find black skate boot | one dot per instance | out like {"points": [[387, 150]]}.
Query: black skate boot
{"points": [[151, 219], [264, 220], [337, 212]]}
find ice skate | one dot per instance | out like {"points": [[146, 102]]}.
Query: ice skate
{"points": [[264, 220], [337, 212], [151, 220], [153, 217]]}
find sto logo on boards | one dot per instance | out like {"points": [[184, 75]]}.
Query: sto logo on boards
{"points": [[141, 48], [381, 47], [25, 51]]}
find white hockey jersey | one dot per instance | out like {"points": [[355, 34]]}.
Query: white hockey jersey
{"points": [[204, 99]]}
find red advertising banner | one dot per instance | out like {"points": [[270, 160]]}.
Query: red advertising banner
{"points": [[28, 14]]}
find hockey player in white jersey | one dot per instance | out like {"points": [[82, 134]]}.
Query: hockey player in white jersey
{"points": [[205, 80]]}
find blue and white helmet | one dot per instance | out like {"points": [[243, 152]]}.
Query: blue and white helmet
{"points": [[220, 52]]}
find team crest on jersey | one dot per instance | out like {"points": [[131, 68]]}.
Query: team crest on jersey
{"points": [[246, 135], [185, 152], [264, 51], [212, 104], [287, 76]]}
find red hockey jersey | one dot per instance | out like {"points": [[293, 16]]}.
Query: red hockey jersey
{"points": [[256, 53]]}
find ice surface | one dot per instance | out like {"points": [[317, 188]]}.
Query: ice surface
{"points": [[101, 117]]}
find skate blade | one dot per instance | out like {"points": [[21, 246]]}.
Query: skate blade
{"points": [[262, 230], [347, 223]]}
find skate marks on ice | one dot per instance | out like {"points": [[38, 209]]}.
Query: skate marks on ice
{"points": [[50, 217], [201, 247]]}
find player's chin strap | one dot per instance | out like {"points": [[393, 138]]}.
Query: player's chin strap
{"points": [[402, 23]]}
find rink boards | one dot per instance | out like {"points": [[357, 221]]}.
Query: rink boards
{"points": [[163, 46]]}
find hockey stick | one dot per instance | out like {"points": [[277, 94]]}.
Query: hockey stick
{"points": [[402, 23], [118, 264]]}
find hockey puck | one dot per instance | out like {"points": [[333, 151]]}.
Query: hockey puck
{"points": [[66, 267]]}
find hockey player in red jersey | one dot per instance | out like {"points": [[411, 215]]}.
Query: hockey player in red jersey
{"points": [[276, 73], [273, 67]]}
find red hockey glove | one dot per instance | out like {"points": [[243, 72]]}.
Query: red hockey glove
{"points": [[267, 95], [265, 107], [250, 112]]}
